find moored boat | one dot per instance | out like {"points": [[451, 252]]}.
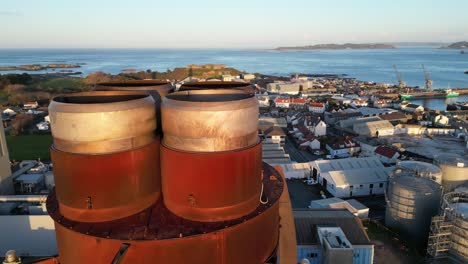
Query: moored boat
{"points": [[448, 93]]}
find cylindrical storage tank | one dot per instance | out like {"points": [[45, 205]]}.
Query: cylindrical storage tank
{"points": [[454, 169], [156, 235], [105, 154], [422, 169], [190, 86], [411, 202], [210, 120], [211, 154], [156, 88]]}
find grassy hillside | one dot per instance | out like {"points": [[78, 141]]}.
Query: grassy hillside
{"points": [[29, 147]]}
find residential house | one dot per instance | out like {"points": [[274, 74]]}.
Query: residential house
{"points": [[359, 103], [227, 78], [247, 76], [31, 105], [318, 108], [309, 143], [382, 103], [315, 125], [297, 103], [263, 101], [387, 155], [441, 120], [282, 102], [412, 108], [343, 148]]}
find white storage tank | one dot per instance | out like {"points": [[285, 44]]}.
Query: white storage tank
{"points": [[454, 168]]}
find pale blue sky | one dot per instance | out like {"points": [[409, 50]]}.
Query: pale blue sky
{"points": [[228, 24]]}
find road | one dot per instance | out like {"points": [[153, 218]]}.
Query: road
{"points": [[297, 155]]}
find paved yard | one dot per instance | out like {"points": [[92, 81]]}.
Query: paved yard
{"points": [[301, 194]]}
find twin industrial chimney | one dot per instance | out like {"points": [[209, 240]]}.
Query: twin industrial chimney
{"points": [[147, 175]]}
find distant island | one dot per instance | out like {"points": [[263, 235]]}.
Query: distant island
{"points": [[338, 47], [39, 67], [457, 45]]}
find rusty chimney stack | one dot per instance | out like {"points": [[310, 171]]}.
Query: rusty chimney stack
{"points": [[201, 196]]}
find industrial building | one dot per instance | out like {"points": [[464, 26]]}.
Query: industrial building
{"points": [[351, 177], [374, 128], [448, 238], [284, 87], [331, 236]]}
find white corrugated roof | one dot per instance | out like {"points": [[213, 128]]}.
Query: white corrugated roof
{"points": [[358, 176], [296, 167], [346, 164]]}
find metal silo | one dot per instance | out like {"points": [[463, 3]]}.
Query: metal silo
{"points": [[105, 154], [454, 168], [412, 199], [449, 230]]}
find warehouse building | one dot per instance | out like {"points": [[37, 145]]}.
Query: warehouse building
{"points": [[352, 176], [374, 128]]}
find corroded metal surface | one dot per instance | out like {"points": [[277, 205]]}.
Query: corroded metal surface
{"points": [[211, 186], [210, 120], [246, 87], [157, 89], [104, 187], [162, 87], [157, 235], [102, 122]]}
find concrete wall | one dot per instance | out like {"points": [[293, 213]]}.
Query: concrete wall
{"points": [[29, 235], [6, 186]]}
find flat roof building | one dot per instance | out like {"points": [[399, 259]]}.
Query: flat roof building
{"points": [[331, 236]]}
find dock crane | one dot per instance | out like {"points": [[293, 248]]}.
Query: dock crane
{"points": [[428, 78], [401, 83]]}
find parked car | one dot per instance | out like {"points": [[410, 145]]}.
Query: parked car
{"points": [[318, 152]]}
